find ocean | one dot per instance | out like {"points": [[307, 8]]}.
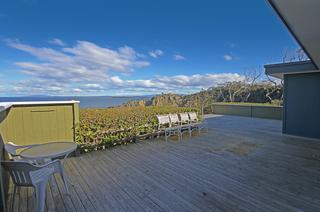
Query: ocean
{"points": [[85, 101]]}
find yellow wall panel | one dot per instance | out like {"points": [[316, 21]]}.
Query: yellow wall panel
{"points": [[39, 124]]}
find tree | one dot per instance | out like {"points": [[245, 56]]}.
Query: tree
{"points": [[274, 86], [230, 91], [221, 94], [293, 56], [251, 77]]}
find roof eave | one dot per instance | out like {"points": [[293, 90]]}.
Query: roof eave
{"points": [[275, 8], [281, 69]]}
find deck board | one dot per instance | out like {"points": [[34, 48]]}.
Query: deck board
{"points": [[240, 164]]}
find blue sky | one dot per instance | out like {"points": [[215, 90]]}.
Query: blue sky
{"points": [[133, 47]]}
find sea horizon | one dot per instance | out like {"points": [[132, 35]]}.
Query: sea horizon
{"points": [[85, 101]]}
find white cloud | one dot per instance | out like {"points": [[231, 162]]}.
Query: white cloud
{"points": [[88, 54], [89, 68], [85, 61], [158, 84], [115, 85], [178, 57], [57, 41], [199, 80], [38, 86], [156, 53], [227, 57], [77, 90], [93, 86]]}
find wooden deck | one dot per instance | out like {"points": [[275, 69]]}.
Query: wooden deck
{"points": [[240, 164]]}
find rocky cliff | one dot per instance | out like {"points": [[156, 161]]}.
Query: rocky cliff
{"points": [[262, 92], [166, 99], [159, 100]]}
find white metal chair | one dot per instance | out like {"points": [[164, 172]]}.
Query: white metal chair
{"points": [[24, 174], [174, 120], [163, 121], [196, 123], [12, 150], [185, 122], [175, 125], [165, 125]]}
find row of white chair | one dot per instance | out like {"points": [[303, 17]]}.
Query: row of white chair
{"points": [[172, 124]]}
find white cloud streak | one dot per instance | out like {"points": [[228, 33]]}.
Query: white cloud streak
{"points": [[158, 84], [227, 57], [178, 57], [156, 53], [77, 90], [56, 41]]}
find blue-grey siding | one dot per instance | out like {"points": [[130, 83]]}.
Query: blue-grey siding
{"points": [[302, 105]]}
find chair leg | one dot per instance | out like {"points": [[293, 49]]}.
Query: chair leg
{"points": [[64, 179], [14, 196], [190, 131], [165, 135], [18, 190], [41, 195]]}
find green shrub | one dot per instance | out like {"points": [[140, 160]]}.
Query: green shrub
{"points": [[103, 128]]}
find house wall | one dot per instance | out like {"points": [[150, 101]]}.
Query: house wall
{"points": [[302, 105]]}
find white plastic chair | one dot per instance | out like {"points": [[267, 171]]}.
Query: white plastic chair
{"points": [[28, 175], [12, 148]]}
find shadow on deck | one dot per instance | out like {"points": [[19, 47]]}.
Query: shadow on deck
{"points": [[240, 164]]}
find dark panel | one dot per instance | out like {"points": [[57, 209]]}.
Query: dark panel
{"points": [[284, 113], [302, 114]]}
